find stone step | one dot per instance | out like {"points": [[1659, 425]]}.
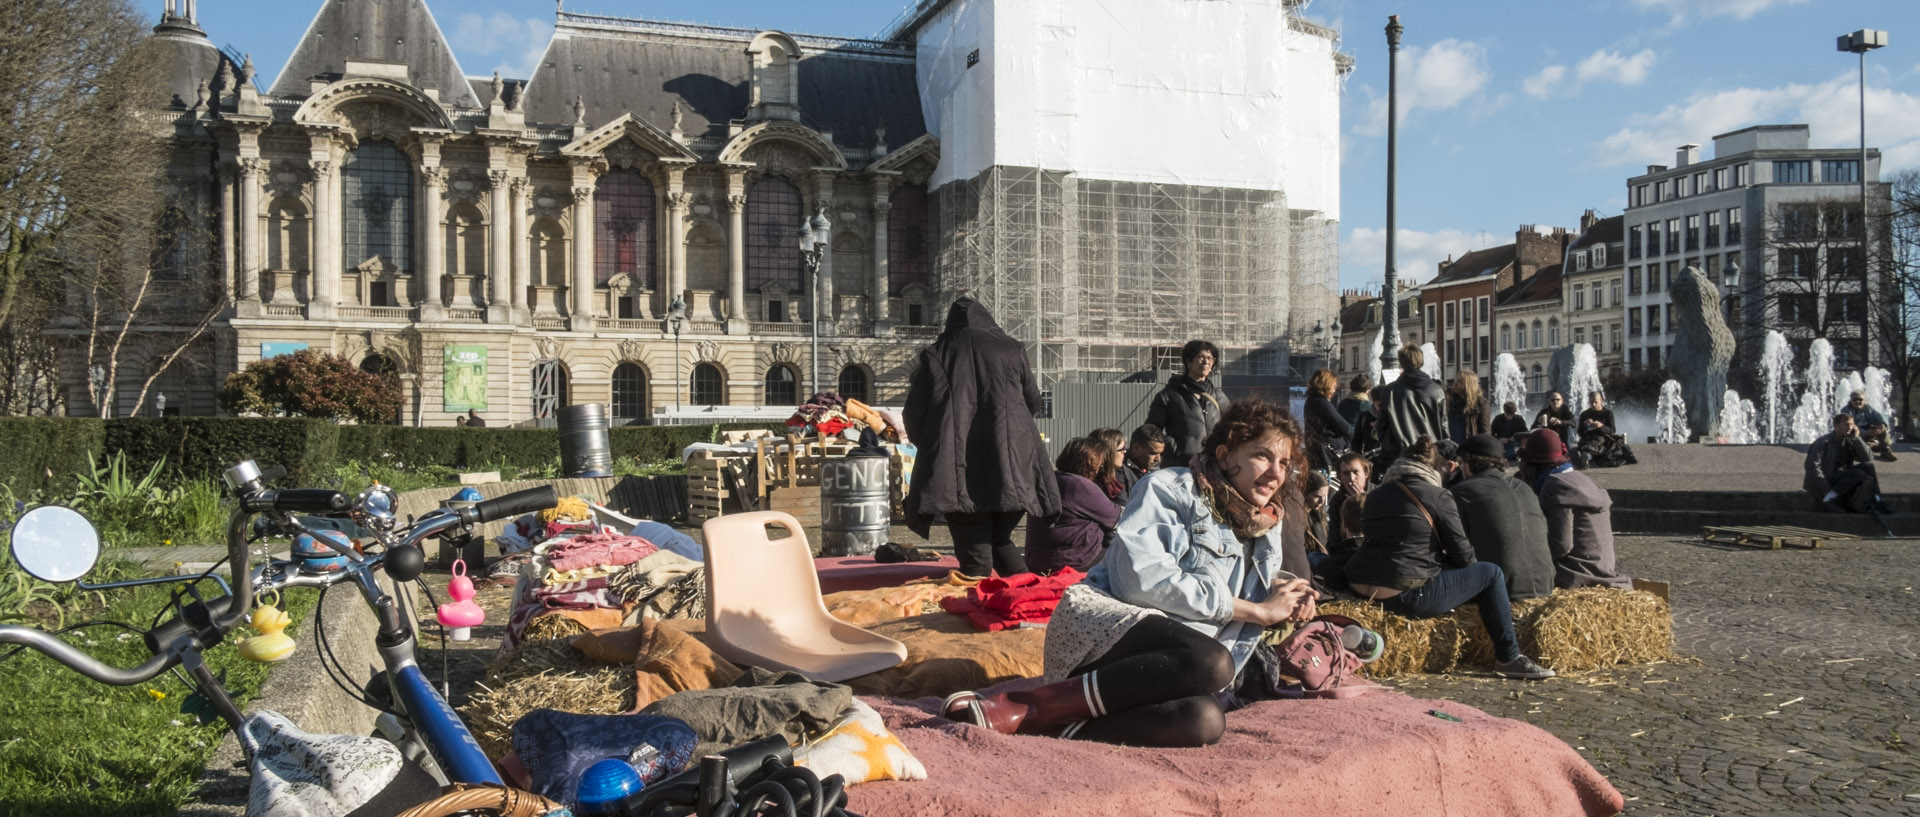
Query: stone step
{"points": [[1639, 520], [1736, 501]]}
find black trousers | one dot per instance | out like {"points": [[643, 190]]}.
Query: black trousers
{"points": [[983, 542], [1160, 683]]}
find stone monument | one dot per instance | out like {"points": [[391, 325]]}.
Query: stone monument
{"points": [[1702, 347]]}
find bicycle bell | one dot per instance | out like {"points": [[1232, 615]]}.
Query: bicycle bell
{"points": [[373, 509]]}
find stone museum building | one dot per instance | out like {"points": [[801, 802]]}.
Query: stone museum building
{"points": [[624, 226]]}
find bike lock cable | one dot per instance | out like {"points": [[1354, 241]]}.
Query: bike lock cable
{"points": [[337, 671], [446, 690]]}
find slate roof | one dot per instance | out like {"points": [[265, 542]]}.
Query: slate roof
{"points": [[1610, 230], [632, 66], [1355, 315], [1477, 264], [1541, 287], [399, 31], [191, 58]]}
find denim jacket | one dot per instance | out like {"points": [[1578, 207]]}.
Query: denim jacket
{"points": [[1170, 554]]}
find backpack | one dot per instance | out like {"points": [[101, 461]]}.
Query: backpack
{"points": [[1318, 657]]}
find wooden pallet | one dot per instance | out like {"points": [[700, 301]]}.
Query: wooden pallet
{"points": [[1770, 536]]}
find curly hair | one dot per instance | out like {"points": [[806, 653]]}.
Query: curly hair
{"points": [[1251, 420], [1323, 383]]}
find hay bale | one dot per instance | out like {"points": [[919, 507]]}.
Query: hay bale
{"points": [[1429, 645], [550, 627], [546, 674], [1595, 627], [1476, 645]]}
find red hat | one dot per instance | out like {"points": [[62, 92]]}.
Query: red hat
{"points": [[1543, 447]]}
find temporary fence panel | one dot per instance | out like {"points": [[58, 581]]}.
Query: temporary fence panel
{"points": [[1082, 407]]}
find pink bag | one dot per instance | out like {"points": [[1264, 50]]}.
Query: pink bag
{"points": [[1318, 656]]}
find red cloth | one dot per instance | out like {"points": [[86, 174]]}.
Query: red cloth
{"points": [[999, 603], [831, 426], [1374, 754]]}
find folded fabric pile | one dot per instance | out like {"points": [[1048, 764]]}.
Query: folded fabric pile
{"points": [[570, 576], [830, 414], [663, 585], [1021, 599]]}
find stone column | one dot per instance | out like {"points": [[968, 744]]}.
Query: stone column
{"points": [[583, 253], [323, 275], [829, 311], [433, 185], [677, 200], [229, 216], [248, 285], [522, 266], [737, 321], [499, 250], [878, 285]]}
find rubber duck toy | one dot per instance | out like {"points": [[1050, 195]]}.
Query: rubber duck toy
{"points": [[461, 614], [271, 644]]}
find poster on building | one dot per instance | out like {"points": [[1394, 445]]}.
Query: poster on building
{"points": [[278, 348], [464, 378]]}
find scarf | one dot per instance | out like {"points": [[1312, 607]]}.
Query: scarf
{"points": [[1229, 507], [1540, 479], [1416, 470]]}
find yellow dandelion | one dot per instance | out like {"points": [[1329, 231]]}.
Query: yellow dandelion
{"points": [[156, 694]]}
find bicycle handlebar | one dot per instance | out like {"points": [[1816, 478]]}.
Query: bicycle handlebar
{"points": [[516, 503]]}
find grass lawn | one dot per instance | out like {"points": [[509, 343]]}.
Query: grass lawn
{"points": [[72, 746]]}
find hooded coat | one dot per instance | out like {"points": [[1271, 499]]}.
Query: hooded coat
{"points": [[970, 408]]}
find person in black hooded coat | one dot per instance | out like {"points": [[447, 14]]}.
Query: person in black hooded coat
{"points": [[981, 465]]}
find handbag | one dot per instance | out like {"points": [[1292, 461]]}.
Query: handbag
{"points": [[1319, 657]]}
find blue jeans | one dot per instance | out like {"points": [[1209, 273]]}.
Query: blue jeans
{"points": [[1482, 583]]}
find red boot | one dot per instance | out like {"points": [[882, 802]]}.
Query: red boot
{"points": [[1029, 711]]}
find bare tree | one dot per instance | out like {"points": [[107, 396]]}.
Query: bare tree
{"points": [[1898, 312], [1817, 285]]}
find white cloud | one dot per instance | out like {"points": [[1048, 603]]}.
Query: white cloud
{"points": [[1829, 108], [1543, 84], [1737, 9], [1600, 66], [1611, 66], [1437, 77], [1416, 254], [501, 42]]}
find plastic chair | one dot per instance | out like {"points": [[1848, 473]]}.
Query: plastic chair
{"points": [[764, 607]]}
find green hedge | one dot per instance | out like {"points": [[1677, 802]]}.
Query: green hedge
{"points": [[46, 453], [203, 447]]}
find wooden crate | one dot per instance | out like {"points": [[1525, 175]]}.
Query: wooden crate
{"points": [[781, 475], [707, 492], [1770, 536]]}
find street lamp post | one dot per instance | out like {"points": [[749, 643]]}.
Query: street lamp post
{"points": [[160, 405], [1860, 42], [1329, 340], [676, 317], [814, 236], [1388, 311]]}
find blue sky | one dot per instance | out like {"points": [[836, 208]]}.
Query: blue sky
{"points": [[1512, 112]]}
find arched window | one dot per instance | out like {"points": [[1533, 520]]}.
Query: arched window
{"points": [[853, 384], [623, 228], [1537, 340], [709, 387], [773, 234], [1506, 337], [1553, 331], [629, 391], [909, 239], [286, 234], [376, 207], [783, 387]]}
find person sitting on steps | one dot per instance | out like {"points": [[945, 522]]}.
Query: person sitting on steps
{"points": [[1147, 650], [1839, 472], [1872, 426]]}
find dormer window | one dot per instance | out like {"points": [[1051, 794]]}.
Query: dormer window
{"points": [[773, 64]]}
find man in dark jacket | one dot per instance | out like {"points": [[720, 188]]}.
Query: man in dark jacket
{"points": [[1144, 450], [1411, 407], [1871, 424], [1840, 471], [1503, 519], [1190, 404], [970, 408]]}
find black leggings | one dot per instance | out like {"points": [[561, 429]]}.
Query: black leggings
{"points": [[1158, 684], [983, 542]]}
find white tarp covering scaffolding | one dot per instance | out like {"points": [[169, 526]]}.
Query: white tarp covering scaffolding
{"points": [[1117, 176]]}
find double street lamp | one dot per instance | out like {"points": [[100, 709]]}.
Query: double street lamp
{"points": [[814, 236], [676, 317]]}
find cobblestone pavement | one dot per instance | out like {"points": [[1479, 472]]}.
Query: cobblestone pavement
{"points": [[1798, 699]]}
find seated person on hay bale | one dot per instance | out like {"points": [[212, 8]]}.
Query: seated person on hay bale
{"points": [[1149, 649], [1600, 439], [1840, 473], [1502, 518], [1077, 536], [1417, 562], [1579, 515], [1872, 426]]}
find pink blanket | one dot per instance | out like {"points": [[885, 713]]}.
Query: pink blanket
{"points": [[839, 573], [1376, 754]]}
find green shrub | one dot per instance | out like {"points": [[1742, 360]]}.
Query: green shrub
{"points": [[311, 383], [204, 447], [46, 455]]}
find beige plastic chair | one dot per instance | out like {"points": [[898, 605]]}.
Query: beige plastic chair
{"points": [[764, 607]]}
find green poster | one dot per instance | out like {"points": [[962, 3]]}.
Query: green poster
{"points": [[464, 376]]}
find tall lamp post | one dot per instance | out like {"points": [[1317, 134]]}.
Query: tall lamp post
{"points": [[1860, 42], [1389, 313], [677, 317], [814, 236], [1329, 337]]}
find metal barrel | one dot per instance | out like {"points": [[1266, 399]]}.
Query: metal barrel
{"points": [[855, 505], [585, 448]]}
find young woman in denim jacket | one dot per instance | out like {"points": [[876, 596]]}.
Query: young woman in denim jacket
{"points": [[1139, 652]]}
